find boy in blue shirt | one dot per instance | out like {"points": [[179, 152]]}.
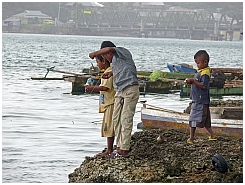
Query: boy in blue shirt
{"points": [[127, 93], [200, 113]]}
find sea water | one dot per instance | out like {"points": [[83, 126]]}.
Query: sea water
{"points": [[47, 131]]}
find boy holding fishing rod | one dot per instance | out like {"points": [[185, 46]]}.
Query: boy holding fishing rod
{"points": [[106, 106]]}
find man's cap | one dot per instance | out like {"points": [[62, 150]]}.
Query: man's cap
{"points": [[105, 44]]}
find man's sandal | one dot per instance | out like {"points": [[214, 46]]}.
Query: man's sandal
{"points": [[116, 154]]}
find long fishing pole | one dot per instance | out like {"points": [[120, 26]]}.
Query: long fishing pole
{"points": [[66, 72], [53, 70]]}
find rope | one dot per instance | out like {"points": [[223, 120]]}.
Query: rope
{"points": [[159, 108]]}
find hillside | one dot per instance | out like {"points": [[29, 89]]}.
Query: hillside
{"points": [[51, 8]]}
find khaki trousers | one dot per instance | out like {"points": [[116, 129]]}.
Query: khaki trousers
{"points": [[123, 115]]}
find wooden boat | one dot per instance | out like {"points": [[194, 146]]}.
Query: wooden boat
{"points": [[231, 84], [155, 117], [234, 87], [163, 82], [78, 82], [181, 68], [230, 73]]}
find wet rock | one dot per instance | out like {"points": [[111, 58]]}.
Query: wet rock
{"points": [[170, 161]]}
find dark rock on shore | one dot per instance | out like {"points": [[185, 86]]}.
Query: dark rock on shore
{"points": [[170, 161]]}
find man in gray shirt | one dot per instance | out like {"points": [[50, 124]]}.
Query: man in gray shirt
{"points": [[127, 93]]}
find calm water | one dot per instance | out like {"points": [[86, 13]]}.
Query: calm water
{"points": [[46, 131]]}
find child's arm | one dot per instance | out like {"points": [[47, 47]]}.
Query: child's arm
{"points": [[198, 84], [95, 89]]}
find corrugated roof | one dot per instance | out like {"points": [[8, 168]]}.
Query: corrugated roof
{"points": [[93, 4], [217, 16], [11, 19], [32, 14], [152, 4], [179, 8], [88, 4]]}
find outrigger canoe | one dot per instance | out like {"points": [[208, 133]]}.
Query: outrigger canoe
{"points": [[150, 82], [155, 117]]}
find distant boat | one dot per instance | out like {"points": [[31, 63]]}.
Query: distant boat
{"points": [[185, 69], [155, 117], [181, 68]]}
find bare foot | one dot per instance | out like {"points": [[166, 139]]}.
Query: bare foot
{"points": [[213, 136], [104, 154]]}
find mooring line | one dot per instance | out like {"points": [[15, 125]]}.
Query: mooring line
{"points": [[160, 108]]}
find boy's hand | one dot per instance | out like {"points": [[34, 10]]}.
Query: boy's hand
{"points": [[88, 88], [107, 75], [189, 80]]}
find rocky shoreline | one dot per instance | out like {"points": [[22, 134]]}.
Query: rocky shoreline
{"points": [[171, 161]]}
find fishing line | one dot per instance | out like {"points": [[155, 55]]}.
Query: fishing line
{"points": [[97, 122]]}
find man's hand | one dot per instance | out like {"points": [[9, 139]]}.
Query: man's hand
{"points": [[92, 55], [107, 75]]}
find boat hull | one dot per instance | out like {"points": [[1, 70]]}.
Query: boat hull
{"points": [[153, 118], [167, 83], [159, 86], [180, 68], [226, 91]]}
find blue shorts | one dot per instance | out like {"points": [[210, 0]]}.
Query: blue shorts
{"points": [[200, 115]]}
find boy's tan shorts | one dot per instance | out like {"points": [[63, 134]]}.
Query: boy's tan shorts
{"points": [[107, 128]]}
